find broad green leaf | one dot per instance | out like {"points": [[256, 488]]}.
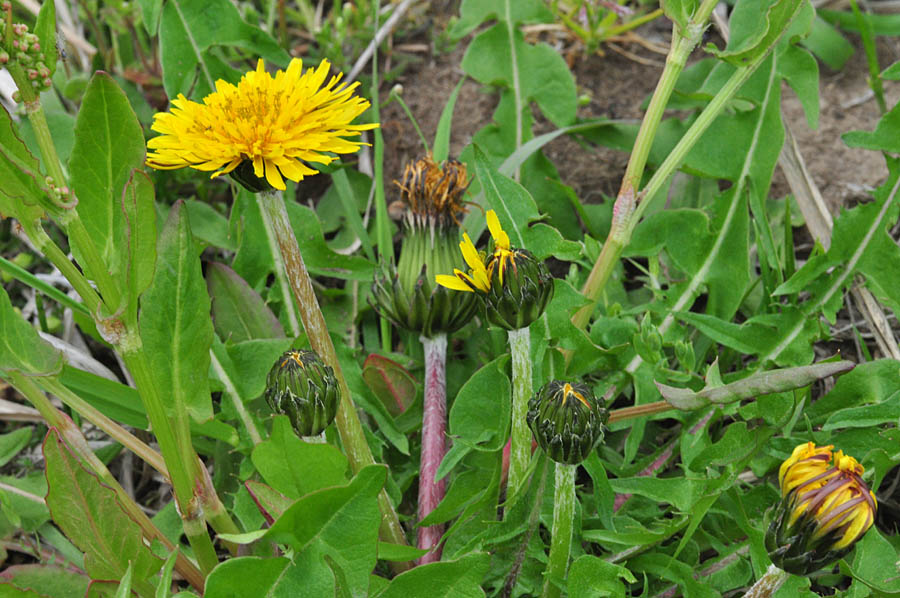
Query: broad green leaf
{"points": [[175, 323], [875, 564], [248, 363], [188, 30], [680, 12], [441, 148], [109, 144], [591, 577], [860, 244], [516, 210], [252, 576], [48, 580], [532, 72], [755, 31], [253, 260], [885, 137], [885, 412], [8, 590], [473, 13], [461, 578], [150, 12], [294, 467], [209, 225], [659, 565], [801, 71], [121, 403], [828, 44], [869, 383], [90, 515], [239, 313], [13, 442], [45, 29], [785, 338], [683, 493], [20, 191], [135, 236], [339, 524], [479, 417], [21, 348], [399, 553]]}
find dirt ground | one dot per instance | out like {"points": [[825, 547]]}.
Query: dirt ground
{"points": [[617, 85]]}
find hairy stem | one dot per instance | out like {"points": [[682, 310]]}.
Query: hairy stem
{"points": [[174, 437], [349, 427], [561, 538], [768, 584], [434, 443], [520, 435]]}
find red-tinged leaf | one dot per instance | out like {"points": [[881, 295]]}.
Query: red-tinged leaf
{"points": [[271, 502], [390, 382], [90, 515]]}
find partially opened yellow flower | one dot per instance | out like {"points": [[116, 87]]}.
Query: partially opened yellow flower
{"points": [[479, 276], [516, 286], [276, 124], [825, 508]]}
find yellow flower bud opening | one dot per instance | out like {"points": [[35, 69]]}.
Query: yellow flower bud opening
{"points": [[829, 488]]}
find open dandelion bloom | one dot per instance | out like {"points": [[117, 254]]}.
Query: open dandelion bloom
{"points": [[276, 124], [825, 509], [516, 285]]}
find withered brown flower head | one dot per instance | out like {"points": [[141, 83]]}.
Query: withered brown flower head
{"points": [[432, 194]]}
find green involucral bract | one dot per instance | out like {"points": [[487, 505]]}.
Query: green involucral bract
{"points": [[407, 294], [300, 386], [567, 420], [521, 288]]}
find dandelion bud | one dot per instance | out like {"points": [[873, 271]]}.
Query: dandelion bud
{"points": [[431, 204], [825, 508], [300, 386], [567, 421]]}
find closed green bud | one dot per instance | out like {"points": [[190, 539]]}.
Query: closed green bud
{"points": [[567, 421], [684, 352], [300, 386]]}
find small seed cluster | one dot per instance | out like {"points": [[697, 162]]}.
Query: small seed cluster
{"points": [[25, 49]]}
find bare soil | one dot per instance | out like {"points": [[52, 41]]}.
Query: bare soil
{"points": [[617, 85]]}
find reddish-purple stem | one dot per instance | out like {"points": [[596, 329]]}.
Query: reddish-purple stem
{"points": [[659, 461], [434, 444]]}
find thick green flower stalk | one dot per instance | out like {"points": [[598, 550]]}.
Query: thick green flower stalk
{"points": [[825, 508], [263, 130], [300, 386], [431, 199], [516, 288], [567, 421]]}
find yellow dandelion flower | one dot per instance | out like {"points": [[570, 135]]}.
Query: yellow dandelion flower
{"points": [[276, 124]]}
